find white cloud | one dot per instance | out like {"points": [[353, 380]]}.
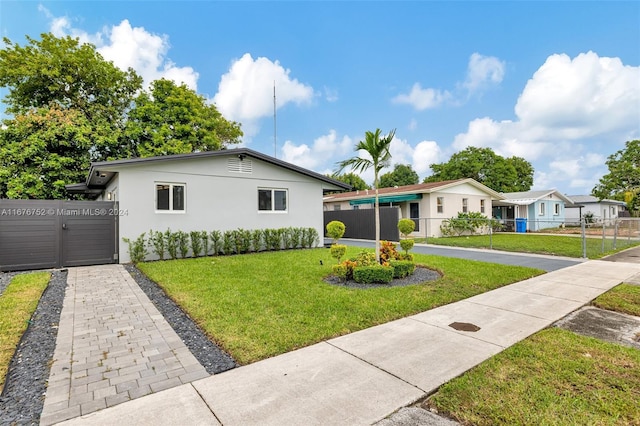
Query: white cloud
{"points": [[567, 106], [424, 154], [325, 147], [331, 95], [129, 46], [245, 93], [422, 99], [483, 71]]}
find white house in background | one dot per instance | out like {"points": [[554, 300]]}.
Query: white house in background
{"points": [[601, 210], [216, 190], [537, 209], [428, 204]]}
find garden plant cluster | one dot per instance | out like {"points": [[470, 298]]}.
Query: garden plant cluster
{"points": [[365, 268], [181, 244]]}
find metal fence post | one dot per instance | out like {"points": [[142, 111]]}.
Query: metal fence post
{"points": [[615, 233], [584, 238]]}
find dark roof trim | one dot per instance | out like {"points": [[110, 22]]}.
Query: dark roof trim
{"points": [[106, 165]]}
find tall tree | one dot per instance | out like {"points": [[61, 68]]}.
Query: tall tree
{"points": [[377, 156], [402, 174], [623, 180], [173, 119], [42, 151], [64, 73], [501, 174], [356, 182]]}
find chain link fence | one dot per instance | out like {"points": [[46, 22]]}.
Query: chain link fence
{"points": [[589, 238]]}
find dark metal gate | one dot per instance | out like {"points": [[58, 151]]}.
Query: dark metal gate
{"points": [[37, 234], [360, 224]]}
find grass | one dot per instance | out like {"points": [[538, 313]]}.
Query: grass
{"points": [[554, 377], [569, 246], [259, 305], [624, 298], [17, 304]]}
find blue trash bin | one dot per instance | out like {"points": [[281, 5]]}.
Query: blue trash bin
{"points": [[521, 224]]}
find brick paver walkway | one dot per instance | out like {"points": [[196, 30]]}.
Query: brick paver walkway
{"points": [[112, 346]]}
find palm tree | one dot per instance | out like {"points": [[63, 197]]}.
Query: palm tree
{"points": [[378, 149]]}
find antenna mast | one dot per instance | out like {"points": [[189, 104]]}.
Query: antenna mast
{"points": [[275, 138]]}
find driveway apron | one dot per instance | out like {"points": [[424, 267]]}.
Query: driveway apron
{"points": [[113, 345]]}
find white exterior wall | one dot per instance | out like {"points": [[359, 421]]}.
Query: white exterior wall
{"points": [[216, 199], [600, 211]]}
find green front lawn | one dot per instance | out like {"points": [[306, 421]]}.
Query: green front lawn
{"points": [[17, 303], [624, 298], [570, 246], [259, 305], [554, 377]]}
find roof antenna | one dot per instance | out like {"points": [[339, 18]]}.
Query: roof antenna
{"points": [[275, 139]]}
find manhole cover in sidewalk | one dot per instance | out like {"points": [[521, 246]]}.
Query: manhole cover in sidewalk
{"points": [[464, 326]]}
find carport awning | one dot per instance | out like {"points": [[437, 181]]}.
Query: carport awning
{"points": [[387, 199]]}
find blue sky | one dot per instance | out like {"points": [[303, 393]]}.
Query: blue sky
{"points": [[557, 83]]}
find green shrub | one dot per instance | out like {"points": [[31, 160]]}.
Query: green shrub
{"points": [[171, 240], [158, 243], [272, 239], [465, 224], [183, 243], [406, 226], [365, 258], [137, 248], [196, 243], [373, 274], [296, 237], [402, 268], [407, 244], [204, 235], [310, 237], [286, 238], [256, 239], [340, 270], [337, 251], [405, 256], [216, 241], [335, 230], [228, 242]]}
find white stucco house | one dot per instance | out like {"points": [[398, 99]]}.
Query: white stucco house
{"points": [[602, 210], [215, 190], [428, 204], [537, 209]]}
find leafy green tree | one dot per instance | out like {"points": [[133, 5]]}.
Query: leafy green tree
{"points": [[501, 174], [401, 175], [172, 119], [42, 151], [376, 148], [72, 76], [356, 182], [623, 180]]}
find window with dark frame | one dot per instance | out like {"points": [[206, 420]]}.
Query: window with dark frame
{"points": [[481, 206], [170, 197], [272, 200], [440, 204], [465, 205]]}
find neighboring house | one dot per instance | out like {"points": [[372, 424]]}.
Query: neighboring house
{"points": [[539, 209], [205, 191], [602, 210], [428, 204]]}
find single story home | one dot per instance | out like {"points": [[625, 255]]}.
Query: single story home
{"points": [[531, 210], [206, 191], [428, 204], [602, 210]]}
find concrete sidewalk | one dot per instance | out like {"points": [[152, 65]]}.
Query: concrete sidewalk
{"points": [[361, 378]]}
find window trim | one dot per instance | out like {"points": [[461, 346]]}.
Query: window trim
{"points": [[171, 186], [542, 209], [440, 205], [465, 205], [273, 205], [482, 205], [556, 209]]}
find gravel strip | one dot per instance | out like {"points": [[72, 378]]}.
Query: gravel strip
{"points": [[212, 358], [23, 395]]}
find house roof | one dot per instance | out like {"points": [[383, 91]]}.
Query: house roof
{"points": [[530, 197], [407, 190], [100, 173], [580, 199]]}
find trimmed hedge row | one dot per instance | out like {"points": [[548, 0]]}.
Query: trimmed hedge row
{"points": [[182, 244]]}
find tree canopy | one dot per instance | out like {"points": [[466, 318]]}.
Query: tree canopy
{"points": [[513, 174], [623, 180], [172, 119], [356, 182], [402, 174], [68, 106]]}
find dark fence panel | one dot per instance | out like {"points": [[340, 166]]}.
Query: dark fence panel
{"points": [[39, 234], [360, 224]]}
